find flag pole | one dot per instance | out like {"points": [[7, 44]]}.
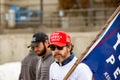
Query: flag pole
{"points": [[83, 54]]}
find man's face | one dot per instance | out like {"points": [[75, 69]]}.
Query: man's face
{"points": [[60, 53], [40, 49]]}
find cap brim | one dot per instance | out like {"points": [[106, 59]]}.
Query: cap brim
{"points": [[58, 44], [33, 45]]}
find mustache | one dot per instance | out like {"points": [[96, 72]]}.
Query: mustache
{"points": [[56, 54]]}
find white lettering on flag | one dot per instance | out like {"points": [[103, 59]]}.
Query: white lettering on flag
{"points": [[107, 76], [117, 72], [119, 57], [111, 59], [118, 41]]}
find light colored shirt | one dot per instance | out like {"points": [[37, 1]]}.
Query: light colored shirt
{"points": [[58, 72]]}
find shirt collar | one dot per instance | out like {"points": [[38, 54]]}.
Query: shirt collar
{"points": [[67, 60]]}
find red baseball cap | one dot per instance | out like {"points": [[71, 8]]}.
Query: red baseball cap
{"points": [[60, 38]]}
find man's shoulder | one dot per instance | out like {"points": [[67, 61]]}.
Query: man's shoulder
{"points": [[50, 57], [30, 59], [82, 67], [54, 64]]}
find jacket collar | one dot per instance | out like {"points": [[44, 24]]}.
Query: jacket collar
{"points": [[67, 60]]}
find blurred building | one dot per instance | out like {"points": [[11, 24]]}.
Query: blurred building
{"points": [[66, 14]]}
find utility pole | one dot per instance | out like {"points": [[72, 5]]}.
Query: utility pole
{"points": [[91, 13], [41, 15], [2, 11]]}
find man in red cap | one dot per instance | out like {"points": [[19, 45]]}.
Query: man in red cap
{"points": [[61, 47]]}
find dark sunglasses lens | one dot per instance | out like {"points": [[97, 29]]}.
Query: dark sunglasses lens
{"points": [[59, 48], [52, 47]]}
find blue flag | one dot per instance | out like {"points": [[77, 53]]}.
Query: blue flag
{"points": [[104, 56]]}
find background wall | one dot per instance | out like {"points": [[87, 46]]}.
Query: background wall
{"points": [[13, 47]]}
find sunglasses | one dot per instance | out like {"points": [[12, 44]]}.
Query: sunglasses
{"points": [[53, 47]]}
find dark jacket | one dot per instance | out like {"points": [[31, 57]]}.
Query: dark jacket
{"points": [[28, 67]]}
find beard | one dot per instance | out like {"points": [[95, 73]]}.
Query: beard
{"points": [[60, 60], [60, 57], [42, 52]]}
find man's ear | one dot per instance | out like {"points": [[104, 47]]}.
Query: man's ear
{"points": [[46, 43], [69, 47]]}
